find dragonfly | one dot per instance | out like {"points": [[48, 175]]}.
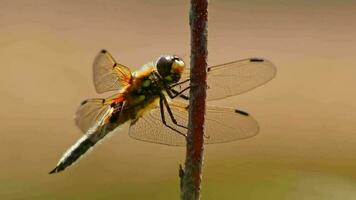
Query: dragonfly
{"points": [[154, 101]]}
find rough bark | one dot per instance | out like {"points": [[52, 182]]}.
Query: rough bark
{"points": [[192, 174]]}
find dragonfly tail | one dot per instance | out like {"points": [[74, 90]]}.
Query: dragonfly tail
{"points": [[74, 153], [85, 143]]}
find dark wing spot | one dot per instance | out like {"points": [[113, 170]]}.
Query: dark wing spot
{"points": [[84, 102], [256, 60], [209, 68], [103, 51], [241, 112], [114, 65]]}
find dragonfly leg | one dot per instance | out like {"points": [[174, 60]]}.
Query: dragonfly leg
{"points": [[171, 114], [180, 93], [163, 117], [172, 93], [180, 83]]}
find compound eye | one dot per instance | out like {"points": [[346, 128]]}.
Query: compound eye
{"points": [[164, 65]]}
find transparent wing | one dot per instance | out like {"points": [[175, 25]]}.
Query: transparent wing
{"points": [[150, 128], [91, 112], [236, 77], [108, 74], [221, 125]]}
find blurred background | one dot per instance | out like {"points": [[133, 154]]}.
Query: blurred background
{"points": [[306, 146]]}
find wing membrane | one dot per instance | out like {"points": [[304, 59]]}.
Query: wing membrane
{"points": [[222, 125], [236, 77], [108, 74], [90, 113]]}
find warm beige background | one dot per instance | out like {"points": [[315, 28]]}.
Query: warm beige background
{"points": [[306, 147]]}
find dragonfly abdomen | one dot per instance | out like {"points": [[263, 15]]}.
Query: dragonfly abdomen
{"points": [[85, 143], [74, 153]]}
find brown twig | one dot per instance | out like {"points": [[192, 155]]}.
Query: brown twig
{"points": [[192, 174]]}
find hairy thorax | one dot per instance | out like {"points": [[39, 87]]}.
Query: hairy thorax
{"points": [[143, 95]]}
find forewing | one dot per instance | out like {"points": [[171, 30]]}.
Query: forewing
{"points": [[109, 75], [236, 77], [221, 125], [90, 113]]}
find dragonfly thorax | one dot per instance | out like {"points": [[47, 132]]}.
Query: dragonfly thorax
{"points": [[170, 68]]}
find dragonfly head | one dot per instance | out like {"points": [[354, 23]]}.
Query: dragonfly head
{"points": [[170, 68]]}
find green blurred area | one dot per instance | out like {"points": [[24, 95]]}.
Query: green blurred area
{"points": [[306, 146], [222, 180]]}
